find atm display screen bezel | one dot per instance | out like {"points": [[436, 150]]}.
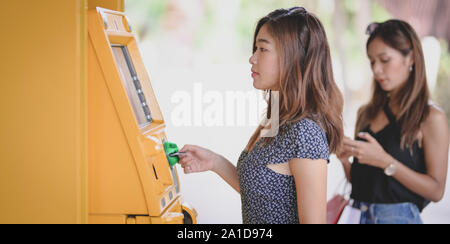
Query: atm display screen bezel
{"points": [[132, 85]]}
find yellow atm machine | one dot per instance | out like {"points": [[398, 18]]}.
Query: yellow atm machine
{"points": [[131, 177]]}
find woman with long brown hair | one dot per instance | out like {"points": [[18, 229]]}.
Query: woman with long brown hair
{"points": [[282, 179], [402, 139]]}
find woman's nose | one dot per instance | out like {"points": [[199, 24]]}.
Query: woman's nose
{"points": [[377, 69], [252, 59]]}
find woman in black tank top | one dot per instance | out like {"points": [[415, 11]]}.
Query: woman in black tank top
{"points": [[402, 141]]}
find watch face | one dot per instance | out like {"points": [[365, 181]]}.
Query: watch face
{"points": [[389, 171]]}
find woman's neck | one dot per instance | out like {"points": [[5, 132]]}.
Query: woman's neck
{"points": [[394, 104]]}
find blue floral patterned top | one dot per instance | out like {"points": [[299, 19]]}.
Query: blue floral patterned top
{"points": [[268, 197]]}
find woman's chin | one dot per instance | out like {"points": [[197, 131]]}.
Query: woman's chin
{"points": [[256, 85], [385, 87], [264, 87]]}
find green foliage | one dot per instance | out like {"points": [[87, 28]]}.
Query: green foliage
{"points": [[379, 13], [442, 91], [147, 15]]}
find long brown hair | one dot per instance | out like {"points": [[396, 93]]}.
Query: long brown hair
{"points": [[307, 87], [413, 96]]}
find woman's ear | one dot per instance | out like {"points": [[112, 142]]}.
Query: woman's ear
{"points": [[410, 59]]}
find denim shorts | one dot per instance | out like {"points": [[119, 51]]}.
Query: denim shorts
{"points": [[399, 213]]}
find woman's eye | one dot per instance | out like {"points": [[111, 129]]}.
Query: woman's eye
{"points": [[385, 61], [263, 49]]}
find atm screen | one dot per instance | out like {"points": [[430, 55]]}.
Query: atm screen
{"points": [[132, 85]]}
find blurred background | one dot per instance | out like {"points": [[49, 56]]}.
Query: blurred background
{"points": [[197, 52]]}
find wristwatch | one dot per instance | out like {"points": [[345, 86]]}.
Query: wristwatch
{"points": [[391, 169]]}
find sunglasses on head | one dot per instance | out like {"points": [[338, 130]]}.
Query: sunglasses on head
{"points": [[371, 28], [301, 10]]}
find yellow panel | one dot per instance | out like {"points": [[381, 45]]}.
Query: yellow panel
{"points": [[128, 168], [71, 142], [42, 104], [143, 220], [107, 219], [114, 185]]}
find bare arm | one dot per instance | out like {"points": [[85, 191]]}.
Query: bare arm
{"points": [[227, 171], [344, 157], [311, 183], [347, 169], [197, 159], [436, 144]]}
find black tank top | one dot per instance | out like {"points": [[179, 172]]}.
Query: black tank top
{"points": [[370, 184]]}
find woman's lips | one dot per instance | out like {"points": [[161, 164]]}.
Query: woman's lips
{"points": [[254, 74]]}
